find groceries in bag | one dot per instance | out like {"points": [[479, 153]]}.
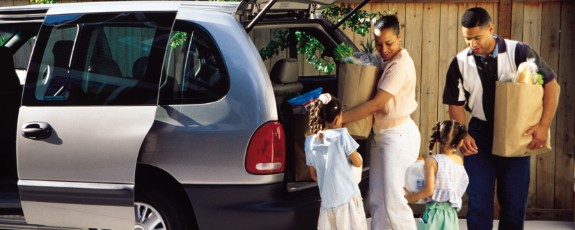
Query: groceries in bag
{"points": [[518, 107], [527, 73], [302, 103], [358, 74]]}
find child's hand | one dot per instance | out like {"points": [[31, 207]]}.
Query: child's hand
{"points": [[410, 196]]}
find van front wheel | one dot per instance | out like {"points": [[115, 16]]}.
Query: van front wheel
{"points": [[147, 217], [154, 211]]}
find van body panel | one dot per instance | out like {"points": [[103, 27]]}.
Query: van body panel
{"points": [[126, 6], [177, 86], [254, 207], [206, 143], [90, 98], [88, 144], [83, 204]]}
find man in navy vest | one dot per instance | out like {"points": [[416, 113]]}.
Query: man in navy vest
{"points": [[470, 85]]}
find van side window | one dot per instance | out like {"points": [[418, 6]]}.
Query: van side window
{"points": [[194, 71], [98, 59]]}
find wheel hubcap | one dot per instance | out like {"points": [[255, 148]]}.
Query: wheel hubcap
{"points": [[148, 218]]}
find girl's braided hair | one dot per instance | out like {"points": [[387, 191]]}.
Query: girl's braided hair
{"points": [[448, 132], [323, 112]]}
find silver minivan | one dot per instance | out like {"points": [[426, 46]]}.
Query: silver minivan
{"points": [[162, 115]]}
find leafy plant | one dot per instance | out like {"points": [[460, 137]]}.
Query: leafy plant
{"points": [[178, 39], [368, 46], [359, 23], [342, 51], [279, 42], [306, 45], [309, 46], [43, 1], [539, 79]]}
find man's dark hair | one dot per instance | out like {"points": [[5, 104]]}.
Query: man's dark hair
{"points": [[474, 17], [388, 21]]}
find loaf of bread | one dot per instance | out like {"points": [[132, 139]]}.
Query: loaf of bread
{"points": [[525, 76], [526, 72]]}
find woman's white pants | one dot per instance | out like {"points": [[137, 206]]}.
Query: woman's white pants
{"points": [[392, 151]]}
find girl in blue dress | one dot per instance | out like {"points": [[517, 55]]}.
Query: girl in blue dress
{"points": [[331, 154]]}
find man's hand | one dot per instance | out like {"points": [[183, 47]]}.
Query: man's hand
{"points": [[539, 133], [469, 147]]}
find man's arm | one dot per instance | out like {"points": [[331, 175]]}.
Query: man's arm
{"points": [[550, 101], [457, 112]]}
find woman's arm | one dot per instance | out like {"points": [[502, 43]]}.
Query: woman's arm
{"points": [[367, 108], [430, 169]]}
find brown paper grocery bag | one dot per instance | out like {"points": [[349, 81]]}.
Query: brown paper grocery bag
{"points": [[357, 85], [518, 107]]}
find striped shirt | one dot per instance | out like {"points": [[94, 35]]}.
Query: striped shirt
{"points": [[451, 181], [470, 79]]}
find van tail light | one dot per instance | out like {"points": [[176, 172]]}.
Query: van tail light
{"points": [[267, 150]]}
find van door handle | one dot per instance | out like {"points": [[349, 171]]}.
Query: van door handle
{"points": [[36, 130]]}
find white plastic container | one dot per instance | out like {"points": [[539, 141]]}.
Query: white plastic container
{"points": [[415, 177], [357, 172]]}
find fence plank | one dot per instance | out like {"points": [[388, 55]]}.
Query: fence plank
{"points": [[488, 6], [550, 27], [495, 18], [21, 2], [565, 112], [429, 70], [261, 39], [282, 54], [400, 10], [449, 31], [412, 42], [461, 41], [532, 36], [504, 18], [378, 7], [517, 21], [358, 39], [370, 34]]}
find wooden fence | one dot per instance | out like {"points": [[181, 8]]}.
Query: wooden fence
{"points": [[431, 33]]}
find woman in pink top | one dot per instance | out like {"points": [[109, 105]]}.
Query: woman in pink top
{"points": [[396, 139]]}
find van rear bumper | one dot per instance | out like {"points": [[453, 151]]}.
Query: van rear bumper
{"points": [[266, 206]]}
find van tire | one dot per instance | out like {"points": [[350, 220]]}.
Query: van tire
{"points": [[153, 202]]}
